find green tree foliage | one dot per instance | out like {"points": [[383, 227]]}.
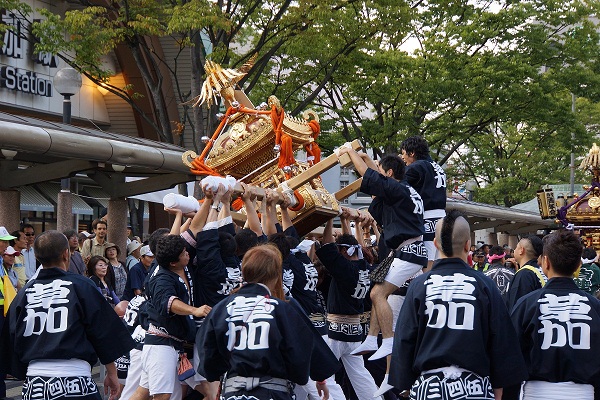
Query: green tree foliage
{"points": [[488, 84]]}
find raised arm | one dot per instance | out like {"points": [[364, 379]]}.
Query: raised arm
{"points": [[286, 221], [358, 228], [213, 214], [345, 218], [226, 204], [328, 232], [199, 219], [252, 219], [270, 216], [176, 227], [360, 160]]}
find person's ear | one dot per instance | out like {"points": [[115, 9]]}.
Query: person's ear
{"points": [[545, 263], [436, 244]]}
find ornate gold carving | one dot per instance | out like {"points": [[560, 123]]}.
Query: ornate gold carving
{"points": [[186, 156], [594, 203]]}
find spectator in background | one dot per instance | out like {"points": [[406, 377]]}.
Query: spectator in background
{"points": [[530, 276], [112, 254], [588, 278], [97, 269], [138, 274], [129, 234], [499, 270], [28, 252], [82, 237], [76, 264], [8, 260], [479, 262], [97, 245], [19, 244], [133, 254]]}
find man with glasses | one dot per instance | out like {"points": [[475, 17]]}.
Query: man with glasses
{"points": [[19, 244], [28, 253]]}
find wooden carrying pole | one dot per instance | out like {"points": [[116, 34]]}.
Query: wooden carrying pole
{"points": [[322, 166]]}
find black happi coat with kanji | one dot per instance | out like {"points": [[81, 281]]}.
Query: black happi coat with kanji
{"points": [[215, 275], [60, 315], [252, 334], [397, 207], [558, 328], [453, 315], [429, 180], [163, 286], [349, 286]]}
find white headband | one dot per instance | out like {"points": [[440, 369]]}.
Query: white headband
{"points": [[351, 248]]}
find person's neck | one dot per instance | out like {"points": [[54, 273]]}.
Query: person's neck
{"points": [[462, 257], [553, 274], [73, 249], [178, 269], [100, 240], [64, 267]]}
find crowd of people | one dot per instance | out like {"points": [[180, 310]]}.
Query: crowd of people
{"points": [[396, 303]]}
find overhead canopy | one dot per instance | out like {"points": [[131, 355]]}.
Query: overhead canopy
{"points": [[32, 200], [52, 151], [501, 219], [51, 191], [97, 194]]}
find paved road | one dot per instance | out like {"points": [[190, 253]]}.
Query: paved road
{"points": [[13, 388]]}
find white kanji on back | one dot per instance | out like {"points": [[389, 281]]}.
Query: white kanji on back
{"points": [[447, 301], [416, 199], [450, 287], [440, 175], [557, 316], [248, 325], [40, 301]]}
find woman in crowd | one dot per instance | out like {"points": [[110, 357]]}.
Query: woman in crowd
{"points": [[112, 254], [97, 270]]}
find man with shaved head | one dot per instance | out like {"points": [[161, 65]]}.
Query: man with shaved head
{"points": [[529, 276], [58, 327], [453, 338]]}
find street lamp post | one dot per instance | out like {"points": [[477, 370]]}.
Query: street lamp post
{"points": [[67, 82], [470, 187]]}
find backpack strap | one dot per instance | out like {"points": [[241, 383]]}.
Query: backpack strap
{"points": [[535, 271]]}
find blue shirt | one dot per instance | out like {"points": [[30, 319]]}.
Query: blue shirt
{"points": [[135, 280]]}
